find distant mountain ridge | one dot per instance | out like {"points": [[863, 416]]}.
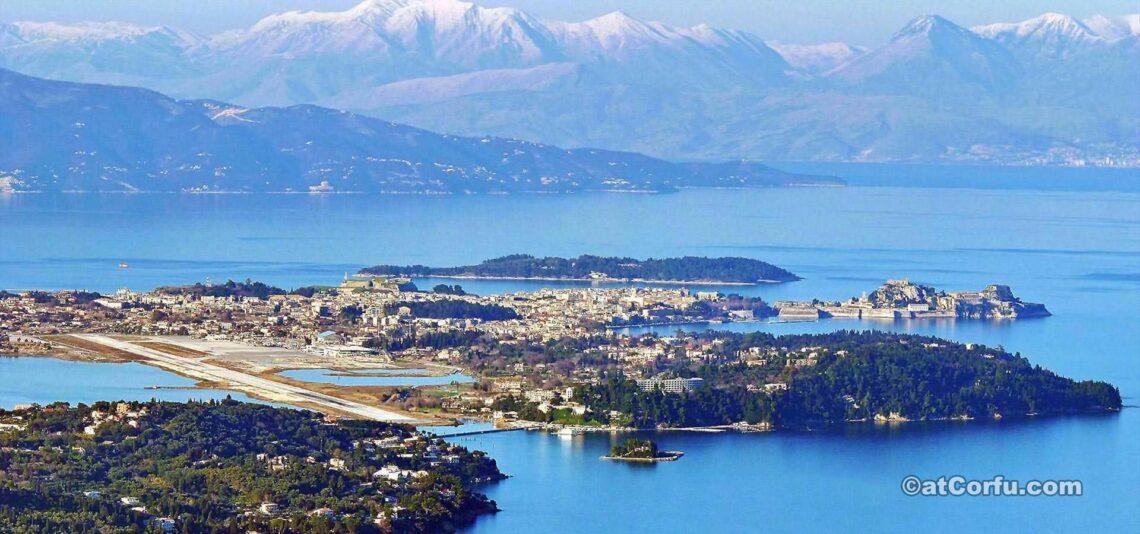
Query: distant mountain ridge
{"points": [[63, 136], [1049, 90]]}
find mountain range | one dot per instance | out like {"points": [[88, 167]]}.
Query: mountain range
{"points": [[1049, 90], [71, 137]]}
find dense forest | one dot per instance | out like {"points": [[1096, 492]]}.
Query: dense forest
{"points": [[455, 309], [228, 467], [849, 376], [686, 269]]}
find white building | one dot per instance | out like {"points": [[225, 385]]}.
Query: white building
{"points": [[670, 385]]}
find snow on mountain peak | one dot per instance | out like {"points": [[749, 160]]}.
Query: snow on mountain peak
{"points": [[923, 25], [97, 31], [613, 29], [1048, 26], [928, 53], [1114, 28], [379, 6], [817, 58], [444, 16], [465, 34], [617, 34], [366, 11], [615, 20], [1044, 38]]}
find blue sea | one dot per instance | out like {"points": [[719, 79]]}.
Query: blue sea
{"points": [[1066, 238]]}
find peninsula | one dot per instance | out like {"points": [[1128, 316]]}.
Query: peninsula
{"points": [[903, 299], [689, 269]]}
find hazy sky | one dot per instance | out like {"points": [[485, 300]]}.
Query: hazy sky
{"points": [[865, 22]]}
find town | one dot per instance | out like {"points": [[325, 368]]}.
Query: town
{"points": [[518, 359], [369, 323]]}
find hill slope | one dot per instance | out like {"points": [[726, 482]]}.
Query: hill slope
{"points": [[61, 136]]}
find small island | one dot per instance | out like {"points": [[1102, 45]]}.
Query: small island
{"points": [[637, 450], [689, 269]]}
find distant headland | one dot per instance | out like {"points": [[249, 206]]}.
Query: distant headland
{"points": [[688, 269]]}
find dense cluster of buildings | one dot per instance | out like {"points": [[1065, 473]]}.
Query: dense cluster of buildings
{"points": [[352, 320], [903, 299], [373, 320]]}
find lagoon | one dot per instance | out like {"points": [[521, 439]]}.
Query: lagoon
{"points": [[34, 380]]}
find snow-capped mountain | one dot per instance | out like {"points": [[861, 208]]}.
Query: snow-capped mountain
{"points": [[929, 55], [1049, 36], [1066, 62], [96, 51], [1048, 89], [817, 58], [449, 33], [323, 56], [1114, 28], [637, 51]]}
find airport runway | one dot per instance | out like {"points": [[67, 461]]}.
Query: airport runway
{"points": [[276, 391]]}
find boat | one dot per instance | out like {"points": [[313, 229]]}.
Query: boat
{"points": [[123, 265], [323, 187], [569, 431]]}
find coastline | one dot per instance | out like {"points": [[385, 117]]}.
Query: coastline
{"points": [[203, 382], [450, 419]]}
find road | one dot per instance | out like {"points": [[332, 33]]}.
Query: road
{"points": [[256, 384]]}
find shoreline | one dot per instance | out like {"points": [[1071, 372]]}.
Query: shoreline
{"points": [[78, 349], [822, 181], [448, 419], [204, 383]]}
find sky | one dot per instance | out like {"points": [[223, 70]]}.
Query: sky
{"points": [[861, 22]]}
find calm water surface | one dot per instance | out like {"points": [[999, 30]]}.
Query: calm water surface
{"points": [[1075, 248], [45, 380]]}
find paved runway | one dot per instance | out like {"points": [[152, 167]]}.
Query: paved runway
{"points": [[269, 388]]}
